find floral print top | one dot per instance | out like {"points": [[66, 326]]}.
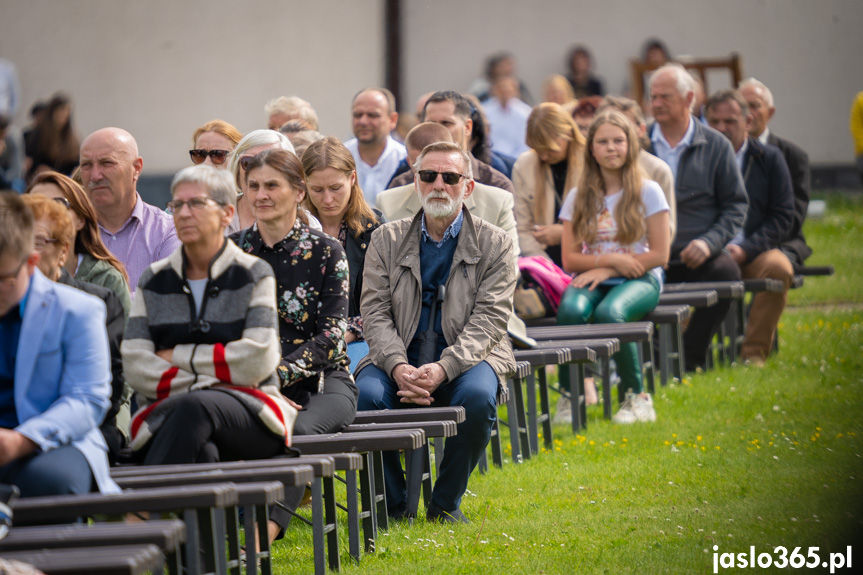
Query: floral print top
{"points": [[355, 323], [312, 286]]}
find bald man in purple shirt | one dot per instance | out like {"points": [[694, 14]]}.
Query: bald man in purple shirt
{"points": [[137, 233]]}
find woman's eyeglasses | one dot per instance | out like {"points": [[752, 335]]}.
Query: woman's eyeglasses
{"points": [[195, 204], [449, 178], [218, 156], [64, 202]]}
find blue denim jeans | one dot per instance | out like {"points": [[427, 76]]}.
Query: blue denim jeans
{"points": [[61, 471], [476, 391]]}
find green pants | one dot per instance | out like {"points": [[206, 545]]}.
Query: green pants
{"points": [[628, 301]]}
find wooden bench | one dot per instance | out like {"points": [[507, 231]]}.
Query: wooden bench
{"points": [[107, 560], [370, 445], [417, 462], [257, 488], [669, 320], [640, 332], [561, 356], [202, 508], [729, 329], [168, 535], [322, 499], [814, 270]]}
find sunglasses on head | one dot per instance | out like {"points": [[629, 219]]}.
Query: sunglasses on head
{"points": [[449, 178], [245, 161], [218, 156]]}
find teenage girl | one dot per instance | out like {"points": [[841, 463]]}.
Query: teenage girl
{"points": [[616, 238]]}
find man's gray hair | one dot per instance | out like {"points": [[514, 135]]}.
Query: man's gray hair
{"points": [[217, 183], [723, 96], [255, 139], [450, 148], [293, 106], [683, 79], [768, 95]]}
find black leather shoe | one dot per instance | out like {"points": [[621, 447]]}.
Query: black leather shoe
{"points": [[398, 512], [436, 514]]}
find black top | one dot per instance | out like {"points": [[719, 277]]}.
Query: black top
{"points": [[312, 287]]}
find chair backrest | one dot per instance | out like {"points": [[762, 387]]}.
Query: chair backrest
{"points": [[698, 67]]}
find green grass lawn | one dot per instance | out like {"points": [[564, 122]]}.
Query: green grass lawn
{"points": [[738, 457]]}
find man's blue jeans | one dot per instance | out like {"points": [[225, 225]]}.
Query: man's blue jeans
{"points": [[476, 391]]}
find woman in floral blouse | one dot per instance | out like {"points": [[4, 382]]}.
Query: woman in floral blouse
{"points": [[312, 287], [335, 198]]}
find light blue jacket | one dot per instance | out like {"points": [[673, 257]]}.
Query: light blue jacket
{"points": [[62, 373]]}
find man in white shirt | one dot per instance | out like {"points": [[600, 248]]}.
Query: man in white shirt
{"points": [[376, 153], [507, 116]]}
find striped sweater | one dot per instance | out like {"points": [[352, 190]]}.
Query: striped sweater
{"points": [[232, 343]]}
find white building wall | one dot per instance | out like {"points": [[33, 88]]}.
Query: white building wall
{"points": [[160, 68], [809, 52]]}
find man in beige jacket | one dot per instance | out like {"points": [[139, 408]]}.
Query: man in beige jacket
{"points": [[454, 353]]}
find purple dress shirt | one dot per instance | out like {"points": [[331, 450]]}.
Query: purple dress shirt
{"points": [[147, 236]]}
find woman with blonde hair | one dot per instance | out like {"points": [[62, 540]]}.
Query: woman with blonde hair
{"points": [[543, 177], [616, 239], [89, 260], [558, 90], [334, 197], [213, 143]]}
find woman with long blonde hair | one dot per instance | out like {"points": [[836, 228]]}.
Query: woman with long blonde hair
{"points": [[543, 176], [616, 238]]}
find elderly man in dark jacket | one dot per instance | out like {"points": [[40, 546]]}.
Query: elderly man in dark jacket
{"points": [[711, 199], [769, 220]]}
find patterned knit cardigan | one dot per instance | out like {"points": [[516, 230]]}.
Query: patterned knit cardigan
{"points": [[233, 343]]}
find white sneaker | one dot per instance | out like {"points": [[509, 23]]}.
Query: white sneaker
{"points": [[625, 414], [636, 407], [642, 406], [563, 414]]}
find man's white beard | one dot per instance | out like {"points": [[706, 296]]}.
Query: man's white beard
{"points": [[435, 208]]}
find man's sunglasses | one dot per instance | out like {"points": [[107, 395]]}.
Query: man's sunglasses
{"points": [[449, 178], [218, 156]]}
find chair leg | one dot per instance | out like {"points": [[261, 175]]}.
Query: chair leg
{"points": [[369, 505], [605, 364], [664, 353], [353, 517], [647, 348], [513, 424], [523, 433], [532, 415], [331, 525], [545, 416], [679, 357], [413, 477]]}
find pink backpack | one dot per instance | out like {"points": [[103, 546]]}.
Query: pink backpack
{"points": [[550, 278]]}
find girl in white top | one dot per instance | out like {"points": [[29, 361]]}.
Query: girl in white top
{"points": [[616, 238]]}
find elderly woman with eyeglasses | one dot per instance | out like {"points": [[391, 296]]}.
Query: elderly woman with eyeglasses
{"points": [[213, 143], [201, 347], [88, 259]]}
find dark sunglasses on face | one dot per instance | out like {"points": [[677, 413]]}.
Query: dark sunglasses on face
{"points": [[218, 156], [449, 178]]}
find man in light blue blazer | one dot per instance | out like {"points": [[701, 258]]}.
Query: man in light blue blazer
{"points": [[54, 372]]}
